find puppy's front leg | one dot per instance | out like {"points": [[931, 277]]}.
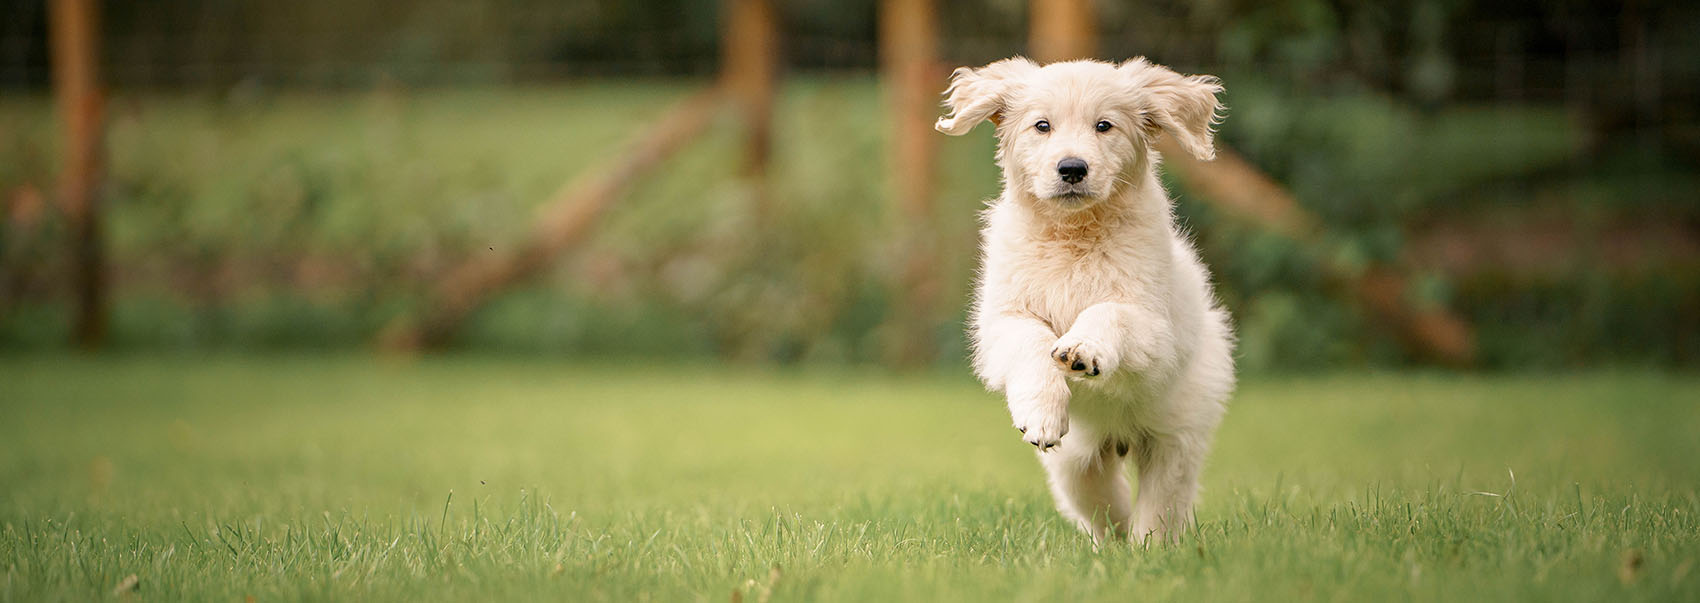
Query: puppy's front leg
{"points": [[1109, 334], [1010, 356]]}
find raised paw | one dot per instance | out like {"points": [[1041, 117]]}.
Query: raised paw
{"points": [[1041, 427], [1082, 358]]}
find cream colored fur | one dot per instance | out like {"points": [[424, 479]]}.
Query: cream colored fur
{"points": [[1093, 314]]}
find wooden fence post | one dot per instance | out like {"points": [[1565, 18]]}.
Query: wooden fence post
{"points": [[749, 66], [76, 82], [910, 62], [1062, 30]]}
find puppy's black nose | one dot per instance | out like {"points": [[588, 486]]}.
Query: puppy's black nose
{"points": [[1072, 170]]}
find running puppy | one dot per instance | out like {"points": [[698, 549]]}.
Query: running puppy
{"points": [[1093, 314]]}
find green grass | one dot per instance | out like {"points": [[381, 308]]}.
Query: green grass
{"points": [[311, 478]]}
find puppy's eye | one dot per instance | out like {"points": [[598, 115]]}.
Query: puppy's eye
{"points": [[1042, 126], [1104, 126]]}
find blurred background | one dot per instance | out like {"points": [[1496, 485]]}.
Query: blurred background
{"points": [[1407, 182]]}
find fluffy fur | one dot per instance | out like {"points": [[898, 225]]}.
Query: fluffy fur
{"points": [[1093, 314]]}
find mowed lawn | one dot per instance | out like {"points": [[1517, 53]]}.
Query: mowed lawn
{"points": [[482, 478]]}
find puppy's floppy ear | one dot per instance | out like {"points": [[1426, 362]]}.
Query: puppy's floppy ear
{"points": [[1184, 106], [976, 95]]}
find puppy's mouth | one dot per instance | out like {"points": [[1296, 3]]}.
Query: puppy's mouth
{"points": [[1071, 195]]}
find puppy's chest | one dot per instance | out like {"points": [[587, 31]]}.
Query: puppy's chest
{"points": [[1056, 281]]}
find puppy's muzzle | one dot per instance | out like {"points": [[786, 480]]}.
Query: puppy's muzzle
{"points": [[1072, 170]]}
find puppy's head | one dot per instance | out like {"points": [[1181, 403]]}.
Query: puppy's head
{"points": [[1075, 133]]}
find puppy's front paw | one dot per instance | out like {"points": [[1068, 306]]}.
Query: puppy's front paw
{"points": [[1084, 358], [1041, 426]]}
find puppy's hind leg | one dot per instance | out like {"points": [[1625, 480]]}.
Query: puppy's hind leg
{"points": [[1169, 466], [1089, 481]]}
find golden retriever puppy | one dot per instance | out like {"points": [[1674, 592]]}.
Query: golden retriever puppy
{"points": [[1093, 315]]}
